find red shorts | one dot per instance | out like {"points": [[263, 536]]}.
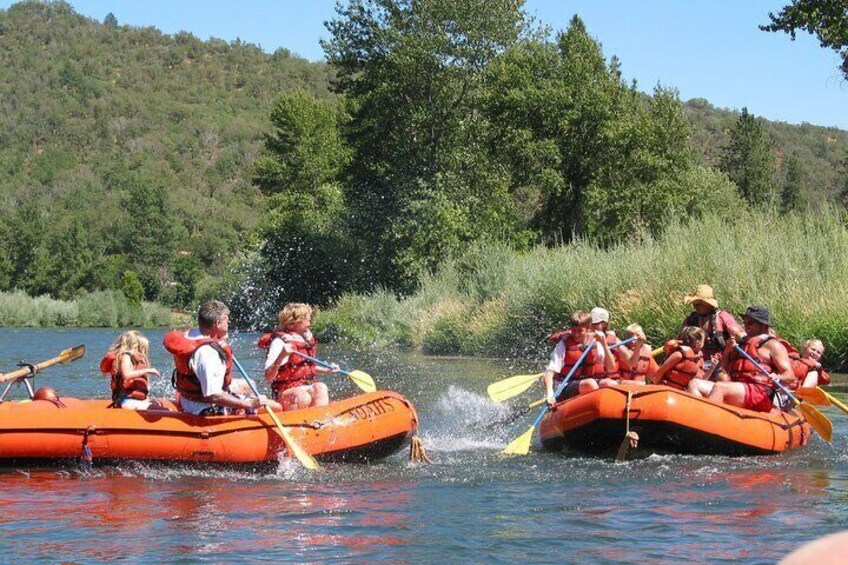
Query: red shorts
{"points": [[757, 398]]}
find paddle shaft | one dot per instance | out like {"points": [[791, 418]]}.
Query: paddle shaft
{"points": [[305, 459], [762, 369], [321, 363], [565, 382]]}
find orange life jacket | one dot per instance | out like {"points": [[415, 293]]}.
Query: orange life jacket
{"points": [[645, 366], [689, 367], [182, 348], [802, 367], [297, 371], [135, 388], [592, 366], [742, 370]]}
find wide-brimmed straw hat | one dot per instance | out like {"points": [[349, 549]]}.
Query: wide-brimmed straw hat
{"points": [[703, 293]]}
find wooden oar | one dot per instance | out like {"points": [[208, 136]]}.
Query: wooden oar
{"points": [[65, 356], [362, 379], [293, 448], [513, 386], [817, 420], [521, 444]]}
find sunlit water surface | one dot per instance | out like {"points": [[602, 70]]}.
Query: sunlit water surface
{"points": [[471, 505]]}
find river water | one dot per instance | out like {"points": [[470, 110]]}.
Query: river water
{"points": [[471, 505]]}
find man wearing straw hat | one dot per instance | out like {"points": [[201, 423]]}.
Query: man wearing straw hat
{"points": [[720, 326]]}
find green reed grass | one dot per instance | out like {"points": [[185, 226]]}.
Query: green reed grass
{"points": [[496, 302], [97, 309]]}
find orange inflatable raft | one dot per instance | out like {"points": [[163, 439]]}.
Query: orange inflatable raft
{"points": [[667, 420], [365, 427]]}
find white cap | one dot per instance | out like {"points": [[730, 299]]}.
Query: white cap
{"points": [[599, 315]]}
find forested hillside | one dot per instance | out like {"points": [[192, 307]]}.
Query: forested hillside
{"points": [[130, 156], [124, 149]]}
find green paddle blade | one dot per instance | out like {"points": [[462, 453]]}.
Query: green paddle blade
{"points": [[363, 380], [512, 386], [818, 421], [813, 395], [521, 444]]}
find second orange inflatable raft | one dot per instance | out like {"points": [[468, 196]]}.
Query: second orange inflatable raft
{"points": [[668, 420], [365, 427]]}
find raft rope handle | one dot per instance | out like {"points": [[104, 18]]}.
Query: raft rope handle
{"points": [[86, 457], [631, 439]]}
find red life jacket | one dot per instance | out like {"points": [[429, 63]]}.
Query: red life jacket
{"points": [[689, 367], [645, 366], [182, 348], [592, 366], [135, 388], [802, 367], [743, 371], [297, 371]]}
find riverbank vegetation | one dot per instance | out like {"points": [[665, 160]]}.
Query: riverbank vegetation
{"points": [[492, 301], [106, 309]]}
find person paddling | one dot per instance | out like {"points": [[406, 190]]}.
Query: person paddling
{"points": [[749, 387], [127, 364], [292, 377], [600, 323], [718, 325], [570, 345], [635, 362], [204, 366], [684, 367]]}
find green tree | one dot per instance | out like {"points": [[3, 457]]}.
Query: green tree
{"points": [[148, 231], [748, 159], [110, 21], [187, 272], [790, 196], [826, 19], [132, 289], [412, 74]]}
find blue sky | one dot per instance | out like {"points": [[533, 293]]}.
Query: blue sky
{"points": [[709, 49]]}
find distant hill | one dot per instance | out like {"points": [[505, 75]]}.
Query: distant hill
{"points": [[126, 149]]}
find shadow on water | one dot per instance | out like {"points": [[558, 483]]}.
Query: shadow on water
{"points": [[473, 504]]}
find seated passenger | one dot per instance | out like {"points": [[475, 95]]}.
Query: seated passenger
{"points": [[635, 362], [127, 364], [292, 377], [600, 323], [807, 366], [570, 346], [684, 367], [749, 387]]}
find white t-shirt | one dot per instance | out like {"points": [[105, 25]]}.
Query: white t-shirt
{"points": [[210, 370], [276, 348], [558, 356]]}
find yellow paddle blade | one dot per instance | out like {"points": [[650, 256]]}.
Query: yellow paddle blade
{"points": [[657, 351], [293, 447], [818, 421], [363, 380], [512, 386], [521, 444], [813, 395]]}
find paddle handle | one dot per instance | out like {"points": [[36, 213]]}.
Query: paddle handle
{"points": [[762, 369], [565, 382], [321, 363]]}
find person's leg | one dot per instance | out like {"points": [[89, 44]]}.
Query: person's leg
{"points": [[586, 386], [729, 393], [294, 398], [700, 388], [320, 394]]}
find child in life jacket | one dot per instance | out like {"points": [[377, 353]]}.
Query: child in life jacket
{"points": [[635, 362], [292, 376], [126, 363], [807, 366], [684, 367]]}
